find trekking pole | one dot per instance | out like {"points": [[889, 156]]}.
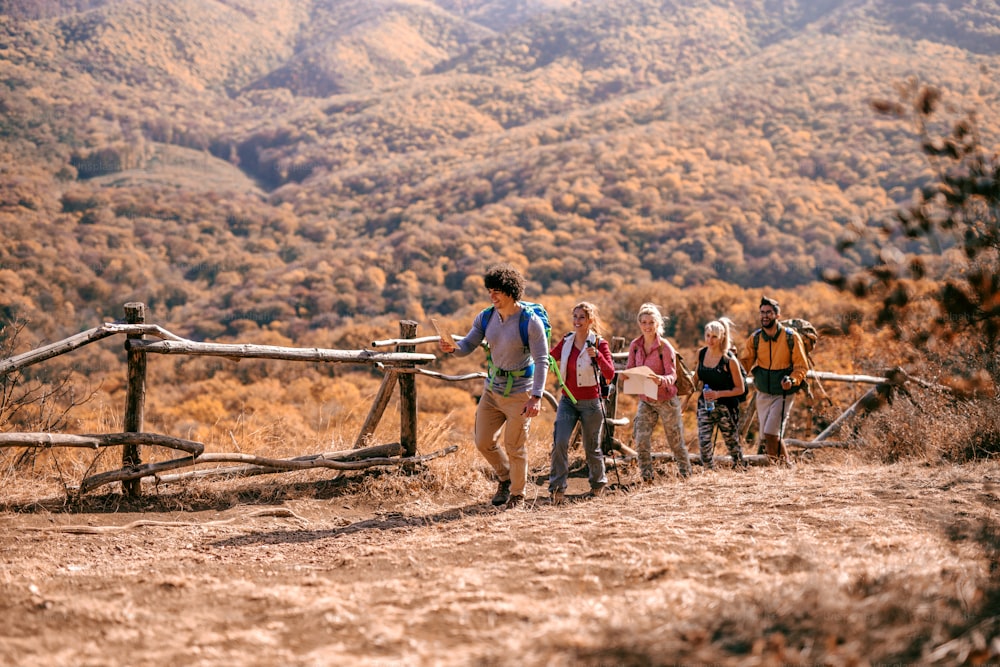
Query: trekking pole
{"points": [[605, 435], [782, 450], [606, 439]]}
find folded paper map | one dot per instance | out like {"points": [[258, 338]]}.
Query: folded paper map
{"points": [[639, 380]]}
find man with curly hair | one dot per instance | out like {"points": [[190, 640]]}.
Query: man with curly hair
{"points": [[515, 379]]}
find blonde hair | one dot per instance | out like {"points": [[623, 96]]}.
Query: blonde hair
{"points": [[654, 312], [596, 325], [722, 328]]}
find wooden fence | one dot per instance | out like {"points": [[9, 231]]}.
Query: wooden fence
{"points": [[400, 367]]}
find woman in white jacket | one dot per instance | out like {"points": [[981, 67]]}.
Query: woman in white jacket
{"points": [[582, 354]]}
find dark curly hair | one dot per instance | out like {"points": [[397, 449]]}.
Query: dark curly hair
{"points": [[506, 279]]}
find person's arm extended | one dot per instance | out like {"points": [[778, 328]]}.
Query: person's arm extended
{"points": [[470, 342]]}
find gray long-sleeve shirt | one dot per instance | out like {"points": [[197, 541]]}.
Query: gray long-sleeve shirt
{"points": [[507, 350]]}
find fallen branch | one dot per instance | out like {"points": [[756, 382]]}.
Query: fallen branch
{"points": [[847, 414], [272, 465], [815, 444], [617, 445], [101, 530], [394, 449], [95, 441]]}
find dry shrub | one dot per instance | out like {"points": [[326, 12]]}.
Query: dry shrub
{"points": [[981, 438], [437, 399], [930, 425]]}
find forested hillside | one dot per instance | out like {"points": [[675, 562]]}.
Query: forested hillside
{"points": [[290, 172]]}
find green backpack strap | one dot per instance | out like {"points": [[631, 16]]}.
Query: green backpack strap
{"points": [[492, 370], [554, 369]]}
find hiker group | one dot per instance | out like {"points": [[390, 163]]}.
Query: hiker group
{"points": [[520, 358]]}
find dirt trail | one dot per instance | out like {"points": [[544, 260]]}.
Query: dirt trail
{"points": [[817, 563]]}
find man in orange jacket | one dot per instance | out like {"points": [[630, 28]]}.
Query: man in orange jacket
{"points": [[776, 359]]}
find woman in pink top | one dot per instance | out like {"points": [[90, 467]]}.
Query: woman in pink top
{"points": [[652, 350]]}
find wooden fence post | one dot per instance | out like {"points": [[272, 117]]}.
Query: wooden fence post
{"points": [[135, 398], [407, 395], [378, 407]]}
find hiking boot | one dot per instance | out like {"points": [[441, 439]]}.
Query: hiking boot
{"points": [[557, 497], [597, 491], [502, 496], [515, 501]]}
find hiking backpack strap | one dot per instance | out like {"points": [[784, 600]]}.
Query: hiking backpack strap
{"points": [[522, 324], [554, 368]]}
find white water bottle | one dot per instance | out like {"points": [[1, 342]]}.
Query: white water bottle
{"points": [[709, 405]]}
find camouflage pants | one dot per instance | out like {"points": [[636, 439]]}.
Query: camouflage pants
{"points": [[726, 419], [669, 413]]}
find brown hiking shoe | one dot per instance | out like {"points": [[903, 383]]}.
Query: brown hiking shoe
{"points": [[515, 501], [557, 497], [502, 496]]}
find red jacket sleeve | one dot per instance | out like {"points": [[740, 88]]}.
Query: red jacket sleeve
{"points": [[605, 361]]}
